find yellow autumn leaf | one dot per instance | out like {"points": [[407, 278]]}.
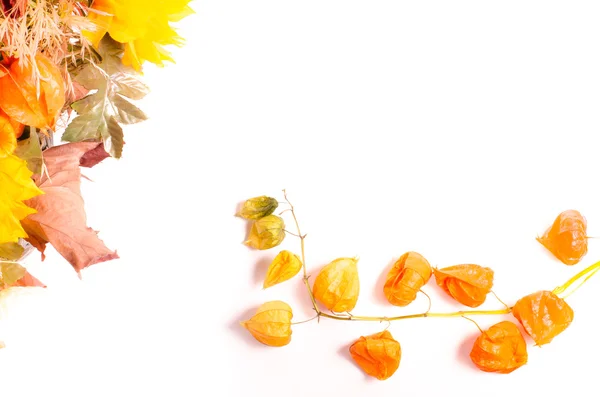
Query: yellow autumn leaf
{"points": [[272, 324], [283, 267], [8, 137], [16, 186], [267, 232], [337, 285]]}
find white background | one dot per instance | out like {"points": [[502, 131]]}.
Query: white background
{"points": [[458, 129]]}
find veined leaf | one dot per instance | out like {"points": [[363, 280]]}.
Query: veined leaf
{"points": [[30, 150], [11, 251], [10, 273], [112, 86]]}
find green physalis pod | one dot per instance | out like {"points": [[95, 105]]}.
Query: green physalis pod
{"points": [[266, 232], [258, 207]]}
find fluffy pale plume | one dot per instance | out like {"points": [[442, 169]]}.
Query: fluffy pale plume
{"points": [[17, 186], [142, 25], [60, 219]]}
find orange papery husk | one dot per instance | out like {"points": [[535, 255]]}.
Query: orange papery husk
{"points": [[272, 324], [32, 94], [501, 349], [378, 354], [468, 284], [543, 315], [404, 280], [337, 285], [567, 238]]}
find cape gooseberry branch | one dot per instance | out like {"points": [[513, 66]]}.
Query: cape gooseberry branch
{"points": [[502, 348]]}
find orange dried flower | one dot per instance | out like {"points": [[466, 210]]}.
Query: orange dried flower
{"points": [[272, 324], [501, 349], [468, 284], [378, 354], [567, 237], [29, 98], [543, 315], [410, 272], [337, 285], [283, 267]]}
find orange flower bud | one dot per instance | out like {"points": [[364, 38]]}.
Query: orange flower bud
{"points": [[337, 285], [378, 354], [567, 237], [501, 349], [468, 284], [543, 315], [272, 324], [410, 272]]}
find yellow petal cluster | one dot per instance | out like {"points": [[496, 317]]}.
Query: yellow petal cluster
{"points": [[266, 233], [16, 186], [142, 25]]}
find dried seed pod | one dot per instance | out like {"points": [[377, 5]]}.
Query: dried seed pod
{"points": [[283, 267], [266, 232], [404, 280], [468, 284], [566, 239], [258, 207], [501, 349], [337, 286], [272, 324], [30, 98], [543, 315], [378, 354]]}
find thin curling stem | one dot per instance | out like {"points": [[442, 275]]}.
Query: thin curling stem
{"points": [[587, 273]]}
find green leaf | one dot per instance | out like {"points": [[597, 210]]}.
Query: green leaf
{"points": [[86, 126], [11, 251], [30, 150], [112, 86], [115, 143], [11, 272], [128, 113], [130, 86]]}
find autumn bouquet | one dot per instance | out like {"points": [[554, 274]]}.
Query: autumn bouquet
{"points": [[68, 69]]}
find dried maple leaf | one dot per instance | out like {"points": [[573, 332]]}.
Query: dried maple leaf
{"points": [[410, 272], [272, 324], [30, 99], [378, 354], [283, 267], [501, 349], [468, 284], [567, 237], [543, 315], [60, 219], [337, 286]]}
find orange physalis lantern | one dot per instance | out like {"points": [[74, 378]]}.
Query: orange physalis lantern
{"points": [[272, 324], [501, 349], [410, 272], [378, 354], [32, 97], [337, 285], [283, 267], [567, 237], [543, 315], [468, 284]]}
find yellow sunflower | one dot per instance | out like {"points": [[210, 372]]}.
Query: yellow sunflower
{"points": [[17, 186], [142, 25]]}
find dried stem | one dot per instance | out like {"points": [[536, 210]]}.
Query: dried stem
{"points": [[352, 317]]}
